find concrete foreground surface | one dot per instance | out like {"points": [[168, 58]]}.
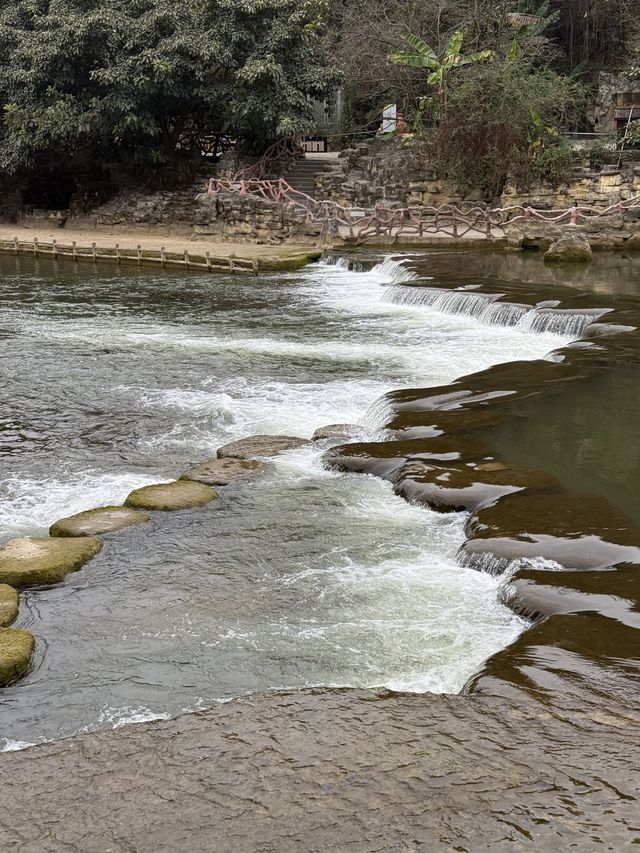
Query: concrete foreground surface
{"points": [[336, 770]]}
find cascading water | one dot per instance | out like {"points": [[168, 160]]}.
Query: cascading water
{"points": [[485, 308], [301, 577]]}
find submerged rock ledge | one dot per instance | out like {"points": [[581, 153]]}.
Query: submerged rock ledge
{"points": [[435, 455]]}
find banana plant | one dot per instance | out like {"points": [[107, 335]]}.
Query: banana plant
{"points": [[440, 66], [529, 26]]}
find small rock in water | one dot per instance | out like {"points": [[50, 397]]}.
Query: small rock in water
{"points": [[570, 248], [221, 472], [261, 445], [16, 648], [92, 522], [8, 605], [337, 431], [40, 560], [180, 494]]}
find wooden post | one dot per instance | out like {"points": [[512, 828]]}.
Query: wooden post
{"points": [[139, 254], [74, 251], [15, 245], [208, 258], [117, 253], [255, 265], [186, 259], [54, 249], [35, 247], [231, 264], [162, 260], [93, 252]]}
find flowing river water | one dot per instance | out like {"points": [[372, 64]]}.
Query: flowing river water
{"points": [[117, 378]]}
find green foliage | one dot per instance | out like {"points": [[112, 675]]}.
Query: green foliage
{"points": [[440, 66], [555, 162], [502, 120], [632, 136], [602, 152], [127, 77]]}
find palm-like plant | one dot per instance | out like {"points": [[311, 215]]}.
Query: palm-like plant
{"points": [[440, 66]]}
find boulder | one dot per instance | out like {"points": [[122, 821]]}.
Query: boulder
{"points": [[8, 605], [569, 248], [93, 522], [222, 472], [337, 431], [261, 445], [16, 648], [32, 560], [179, 494]]}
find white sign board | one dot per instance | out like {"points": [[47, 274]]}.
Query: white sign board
{"points": [[389, 116]]}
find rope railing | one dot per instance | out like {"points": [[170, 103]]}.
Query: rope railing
{"points": [[381, 221]]}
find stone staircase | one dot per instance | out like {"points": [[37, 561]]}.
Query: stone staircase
{"points": [[302, 175]]}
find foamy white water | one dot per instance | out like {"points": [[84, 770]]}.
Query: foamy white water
{"points": [[302, 577]]}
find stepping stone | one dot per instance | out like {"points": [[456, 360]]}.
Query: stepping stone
{"points": [[221, 472], [8, 605], [337, 431], [261, 445], [32, 560], [93, 522], [16, 648], [180, 494]]}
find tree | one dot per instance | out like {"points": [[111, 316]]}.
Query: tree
{"points": [[440, 66], [124, 78]]}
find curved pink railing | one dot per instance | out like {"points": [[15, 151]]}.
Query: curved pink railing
{"points": [[275, 158], [448, 219]]}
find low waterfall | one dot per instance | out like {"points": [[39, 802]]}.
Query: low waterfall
{"points": [[486, 308]]}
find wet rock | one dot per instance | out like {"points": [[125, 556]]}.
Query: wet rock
{"points": [[574, 532], [537, 593], [386, 458], [337, 431], [222, 472], [454, 488], [93, 522], [41, 560], [179, 494], [261, 445], [16, 648], [569, 248], [8, 605]]}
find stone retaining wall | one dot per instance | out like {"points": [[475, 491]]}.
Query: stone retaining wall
{"points": [[245, 218]]}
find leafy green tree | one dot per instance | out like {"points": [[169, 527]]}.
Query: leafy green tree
{"points": [[440, 66], [126, 77]]}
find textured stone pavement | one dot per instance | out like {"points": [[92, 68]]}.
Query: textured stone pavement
{"points": [[335, 770]]}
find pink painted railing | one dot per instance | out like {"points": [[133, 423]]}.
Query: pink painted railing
{"points": [[449, 219], [274, 159]]}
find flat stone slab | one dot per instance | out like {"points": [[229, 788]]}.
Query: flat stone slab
{"points": [[9, 605], [261, 445], [16, 648], [180, 494], [222, 472], [93, 522], [34, 560], [574, 532], [456, 488]]}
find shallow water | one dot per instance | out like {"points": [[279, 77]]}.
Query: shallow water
{"points": [[115, 378]]}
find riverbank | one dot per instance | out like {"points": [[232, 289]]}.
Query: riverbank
{"points": [[387, 769], [113, 245]]}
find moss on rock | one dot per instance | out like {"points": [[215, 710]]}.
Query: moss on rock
{"points": [[221, 472], [16, 648], [93, 522], [8, 605], [179, 494], [32, 560]]}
